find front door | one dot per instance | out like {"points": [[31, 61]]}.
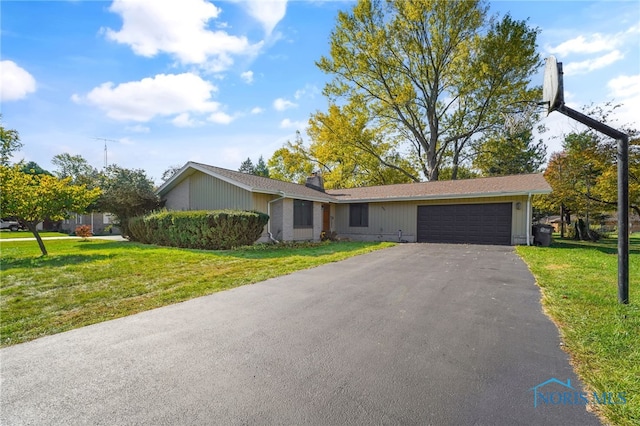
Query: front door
{"points": [[326, 218]]}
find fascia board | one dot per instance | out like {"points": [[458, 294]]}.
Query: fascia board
{"points": [[328, 199], [439, 197]]}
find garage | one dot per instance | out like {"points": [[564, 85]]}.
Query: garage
{"points": [[465, 223]]}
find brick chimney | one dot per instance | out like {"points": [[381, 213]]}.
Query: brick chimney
{"points": [[315, 182]]}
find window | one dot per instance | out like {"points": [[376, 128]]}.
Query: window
{"points": [[359, 215], [302, 214]]}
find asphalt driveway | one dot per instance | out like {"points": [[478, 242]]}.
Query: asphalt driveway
{"points": [[414, 334]]}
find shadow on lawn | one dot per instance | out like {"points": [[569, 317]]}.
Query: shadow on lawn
{"points": [[50, 261], [608, 246], [260, 251]]}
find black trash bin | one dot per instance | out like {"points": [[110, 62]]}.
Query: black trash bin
{"points": [[542, 235]]}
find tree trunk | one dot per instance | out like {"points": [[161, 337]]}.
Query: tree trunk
{"points": [[454, 167], [32, 227]]}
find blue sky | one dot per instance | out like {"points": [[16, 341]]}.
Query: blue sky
{"points": [[216, 82]]}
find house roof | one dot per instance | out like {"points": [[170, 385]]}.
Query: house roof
{"points": [[467, 188], [249, 182]]}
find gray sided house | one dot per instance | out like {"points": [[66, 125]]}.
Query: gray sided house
{"points": [[494, 210]]}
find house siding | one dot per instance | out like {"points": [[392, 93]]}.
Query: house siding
{"points": [[260, 204], [209, 193], [387, 219], [287, 220], [178, 198]]}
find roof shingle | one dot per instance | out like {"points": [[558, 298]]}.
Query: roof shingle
{"points": [[479, 187]]}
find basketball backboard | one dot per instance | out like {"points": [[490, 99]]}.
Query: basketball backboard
{"points": [[552, 88]]}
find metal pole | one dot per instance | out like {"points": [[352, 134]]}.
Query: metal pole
{"points": [[623, 220], [623, 194]]}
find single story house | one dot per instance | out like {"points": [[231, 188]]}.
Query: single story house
{"points": [[494, 210]]}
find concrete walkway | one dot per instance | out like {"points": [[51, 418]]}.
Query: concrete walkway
{"points": [[416, 334]]}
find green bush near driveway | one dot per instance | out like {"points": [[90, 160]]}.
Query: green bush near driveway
{"points": [[206, 230]]}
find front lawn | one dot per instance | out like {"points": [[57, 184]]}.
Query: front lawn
{"points": [[28, 234], [85, 282], [579, 287]]}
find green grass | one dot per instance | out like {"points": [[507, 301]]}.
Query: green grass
{"points": [[27, 234], [579, 287], [85, 282]]}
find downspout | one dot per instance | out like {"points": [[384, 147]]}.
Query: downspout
{"points": [[269, 213], [529, 220]]}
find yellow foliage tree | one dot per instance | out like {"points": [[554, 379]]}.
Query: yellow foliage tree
{"points": [[32, 198]]}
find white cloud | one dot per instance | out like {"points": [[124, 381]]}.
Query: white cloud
{"points": [[624, 86], [594, 44], [220, 118], [15, 82], [267, 12], [162, 95], [281, 104], [183, 120], [257, 110], [178, 28], [289, 124], [247, 76], [626, 89], [573, 68]]}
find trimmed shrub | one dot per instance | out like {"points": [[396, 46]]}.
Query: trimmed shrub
{"points": [[83, 231], [206, 230]]}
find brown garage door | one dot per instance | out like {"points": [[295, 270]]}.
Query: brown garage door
{"points": [[465, 223]]}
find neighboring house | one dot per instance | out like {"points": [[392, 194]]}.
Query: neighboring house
{"points": [[100, 223], [494, 210]]}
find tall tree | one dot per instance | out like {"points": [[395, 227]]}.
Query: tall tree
{"points": [[351, 153], [509, 155], [33, 168], [126, 193], [584, 177], [168, 173], [291, 162], [10, 140], [32, 198], [76, 167], [247, 167], [434, 74], [261, 168]]}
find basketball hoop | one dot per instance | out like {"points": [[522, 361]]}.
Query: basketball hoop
{"points": [[553, 86], [553, 98]]}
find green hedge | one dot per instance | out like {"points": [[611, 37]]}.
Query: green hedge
{"points": [[207, 230]]}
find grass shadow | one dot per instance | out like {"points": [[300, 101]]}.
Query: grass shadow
{"points": [[50, 261], [606, 245], [259, 251]]}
